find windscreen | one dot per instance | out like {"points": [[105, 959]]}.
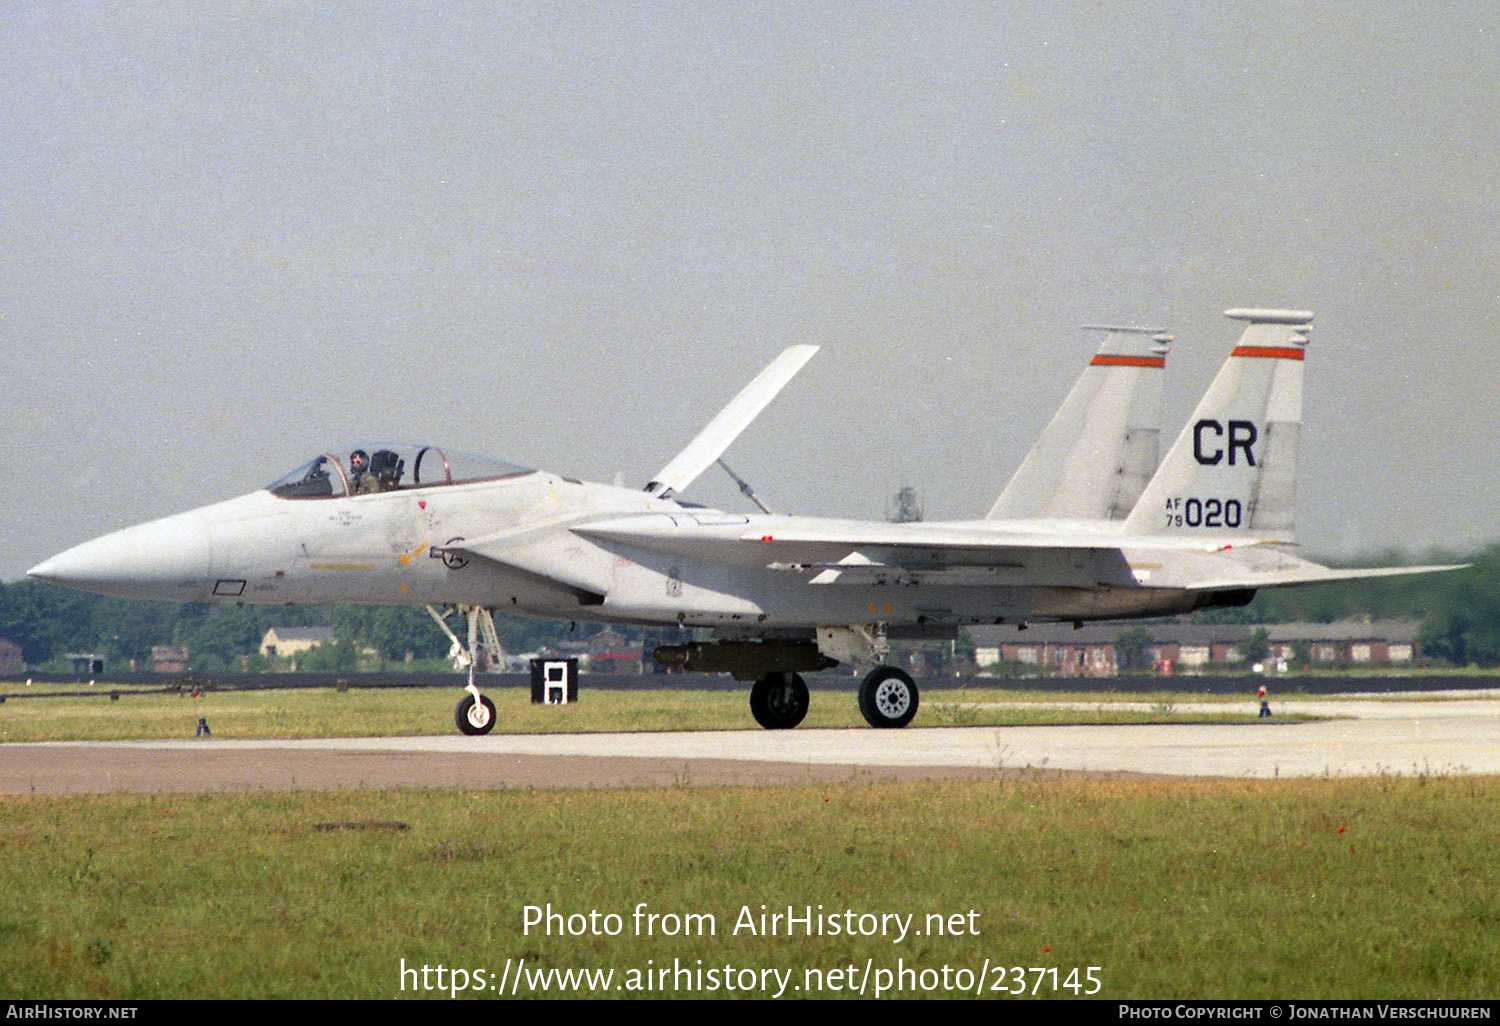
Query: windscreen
{"points": [[381, 467]]}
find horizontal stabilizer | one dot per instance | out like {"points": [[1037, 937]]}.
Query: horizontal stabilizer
{"points": [[711, 442], [1312, 573]]}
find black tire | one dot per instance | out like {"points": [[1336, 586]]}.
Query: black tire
{"points": [[778, 701], [466, 716], [887, 697]]}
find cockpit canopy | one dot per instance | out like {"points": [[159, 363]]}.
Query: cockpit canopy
{"points": [[369, 469]]}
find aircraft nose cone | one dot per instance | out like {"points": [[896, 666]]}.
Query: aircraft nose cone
{"points": [[168, 559]]}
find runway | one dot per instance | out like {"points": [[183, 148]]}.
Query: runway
{"points": [[1378, 736]]}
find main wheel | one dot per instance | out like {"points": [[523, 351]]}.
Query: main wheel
{"points": [[474, 717], [778, 701], [887, 697]]}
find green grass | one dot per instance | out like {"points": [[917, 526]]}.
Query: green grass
{"points": [[1374, 888], [395, 712]]}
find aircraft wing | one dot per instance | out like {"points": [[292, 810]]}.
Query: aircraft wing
{"points": [[851, 551], [708, 533], [704, 534], [973, 553], [711, 442]]}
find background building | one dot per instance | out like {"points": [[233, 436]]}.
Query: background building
{"points": [[1097, 650], [290, 641]]}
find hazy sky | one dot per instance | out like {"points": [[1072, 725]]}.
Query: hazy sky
{"points": [[236, 234]]}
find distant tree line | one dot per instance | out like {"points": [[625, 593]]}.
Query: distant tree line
{"points": [[48, 622], [1459, 610]]}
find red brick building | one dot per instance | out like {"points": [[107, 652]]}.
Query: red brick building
{"points": [[1093, 650]]}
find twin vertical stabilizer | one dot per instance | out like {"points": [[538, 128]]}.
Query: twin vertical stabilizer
{"points": [[1100, 449], [1232, 470], [1234, 467]]}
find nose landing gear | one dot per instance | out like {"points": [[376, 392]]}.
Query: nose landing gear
{"points": [[475, 713]]}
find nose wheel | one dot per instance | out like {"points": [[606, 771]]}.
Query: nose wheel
{"points": [[778, 701], [887, 697], [474, 715]]}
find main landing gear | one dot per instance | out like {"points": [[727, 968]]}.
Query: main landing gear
{"points": [[887, 697], [778, 701]]}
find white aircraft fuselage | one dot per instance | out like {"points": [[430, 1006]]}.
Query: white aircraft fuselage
{"points": [[559, 559]]}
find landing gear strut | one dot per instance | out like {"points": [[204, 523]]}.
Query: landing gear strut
{"points": [[475, 713], [887, 697], [778, 701]]}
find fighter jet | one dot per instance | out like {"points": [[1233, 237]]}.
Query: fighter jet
{"points": [[779, 595]]}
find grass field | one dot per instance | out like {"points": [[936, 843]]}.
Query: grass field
{"points": [[1172, 889], [90, 715], [1129, 888]]}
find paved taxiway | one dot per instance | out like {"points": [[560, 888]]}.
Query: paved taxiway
{"points": [[1406, 737]]}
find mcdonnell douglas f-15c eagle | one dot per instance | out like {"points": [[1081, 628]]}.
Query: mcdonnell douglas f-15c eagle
{"points": [[1089, 528]]}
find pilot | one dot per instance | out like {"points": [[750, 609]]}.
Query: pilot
{"points": [[359, 465]]}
